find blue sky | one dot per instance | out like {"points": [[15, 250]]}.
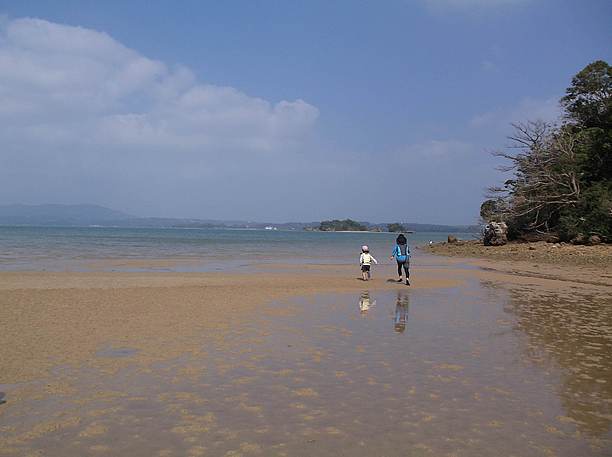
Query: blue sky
{"points": [[281, 110]]}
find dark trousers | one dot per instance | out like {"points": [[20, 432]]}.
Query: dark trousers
{"points": [[406, 266]]}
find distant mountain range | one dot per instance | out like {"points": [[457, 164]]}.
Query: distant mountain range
{"points": [[95, 215]]}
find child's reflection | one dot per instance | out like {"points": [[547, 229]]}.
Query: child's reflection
{"points": [[401, 312], [365, 302]]}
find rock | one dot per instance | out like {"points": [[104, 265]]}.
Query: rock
{"points": [[452, 239], [531, 248], [594, 239], [495, 234], [579, 239]]}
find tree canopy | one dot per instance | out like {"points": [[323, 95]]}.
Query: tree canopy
{"points": [[396, 227], [562, 176], [342, 226]]}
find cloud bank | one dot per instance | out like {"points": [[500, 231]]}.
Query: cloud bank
{"points": [[85, 119], [70, 85]]}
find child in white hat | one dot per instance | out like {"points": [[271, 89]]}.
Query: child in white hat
{"points": [[365, 261]]}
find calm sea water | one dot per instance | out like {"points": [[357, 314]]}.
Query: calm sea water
{"points": [[67, 248]]}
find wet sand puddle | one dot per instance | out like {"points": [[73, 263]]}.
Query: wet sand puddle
{"points": [[470, 371]]}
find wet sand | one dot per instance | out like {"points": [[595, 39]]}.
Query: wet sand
{"points": [[51, 319], [505, 359]]}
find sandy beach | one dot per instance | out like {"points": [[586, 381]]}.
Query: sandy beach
{"points": [[233, 360], [253, 230], [53, 319]]}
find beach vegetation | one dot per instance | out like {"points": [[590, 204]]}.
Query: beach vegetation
{"points": [[561, 175]]}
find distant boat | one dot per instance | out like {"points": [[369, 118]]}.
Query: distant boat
{"points": [[269, 227]]}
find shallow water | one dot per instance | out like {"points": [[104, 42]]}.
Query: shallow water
{"points": [[155, 249], [477, 370]]}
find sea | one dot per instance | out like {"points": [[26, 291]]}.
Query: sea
{"points": [[28, 248]]}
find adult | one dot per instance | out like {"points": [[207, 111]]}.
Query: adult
{"points": [[401, 253]]}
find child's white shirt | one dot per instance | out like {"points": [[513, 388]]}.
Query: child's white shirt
{"points": [[367, 259]]}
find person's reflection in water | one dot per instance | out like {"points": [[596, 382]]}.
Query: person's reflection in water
{"points": [[365, 302], [401, 312]]}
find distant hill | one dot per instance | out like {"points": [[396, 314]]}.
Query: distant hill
{"points": [[60, 215], [88, 215]]}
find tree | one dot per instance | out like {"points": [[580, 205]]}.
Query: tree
{"points": [[588, 101], [545, 182], [588, 110], [562, 176], [341, 226], [492, 210], [396, 227]]}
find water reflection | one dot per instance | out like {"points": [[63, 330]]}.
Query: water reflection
{"points": [[482, 371], [401, 311], [365, 302], [575, 334]]}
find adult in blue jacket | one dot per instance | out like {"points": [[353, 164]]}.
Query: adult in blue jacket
{"points": [[401, 253]]}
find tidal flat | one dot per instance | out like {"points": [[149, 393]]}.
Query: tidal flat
{"points": [[467, 361]]}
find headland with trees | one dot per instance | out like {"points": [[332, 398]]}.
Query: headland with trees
{"points": [[556, 204]]}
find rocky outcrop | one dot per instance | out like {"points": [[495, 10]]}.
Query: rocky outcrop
{"points": [[495, 234], [594, 240], [452, 239]]}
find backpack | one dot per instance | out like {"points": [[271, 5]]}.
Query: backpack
{"points": [[403, 253]]}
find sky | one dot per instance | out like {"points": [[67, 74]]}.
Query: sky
{"points": [[280, 111]]}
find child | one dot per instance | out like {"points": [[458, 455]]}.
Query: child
{"points": [[365, 261], [401, 253]]}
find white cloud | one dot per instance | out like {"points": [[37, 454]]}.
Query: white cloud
{"points": [[72, 85], [527, 109]]}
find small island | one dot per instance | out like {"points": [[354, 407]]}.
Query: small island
{"points": [[346, 225], [349, 225]]}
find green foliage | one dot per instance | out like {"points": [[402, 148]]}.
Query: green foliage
{"points": [[591, 215], [588, 101], [491, 210], [342, 226], [396, 227], [588, 107], [562, 180]]}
